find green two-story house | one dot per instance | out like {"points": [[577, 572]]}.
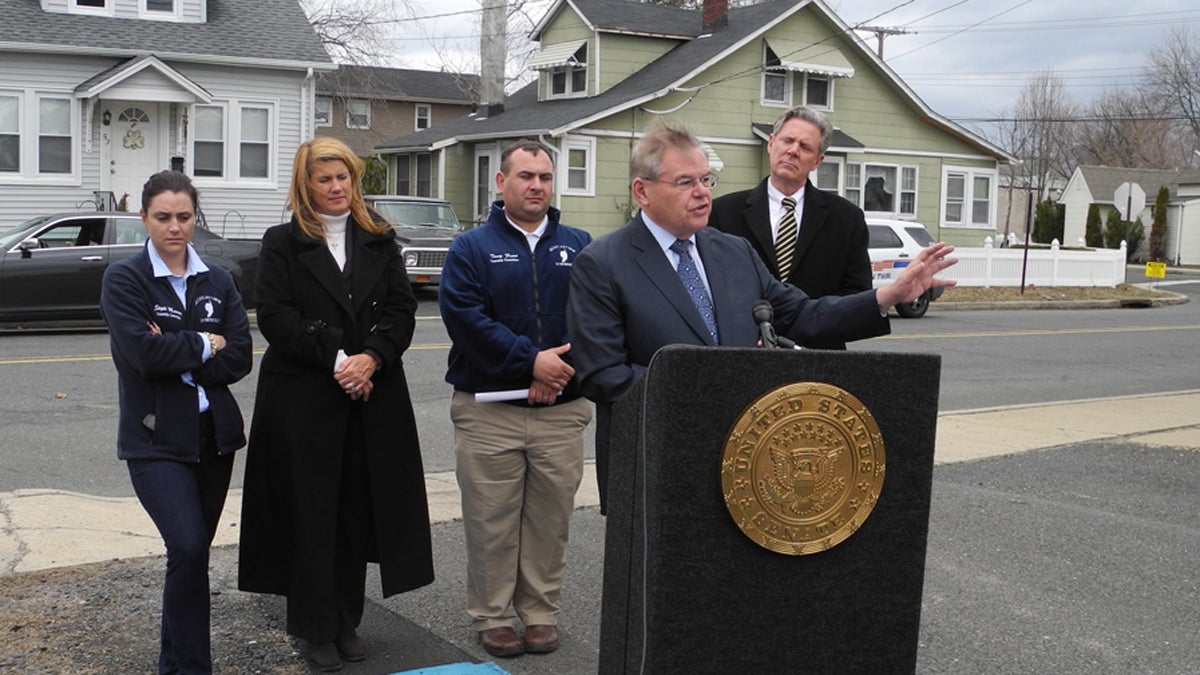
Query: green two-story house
{"points": [[607, 68]]}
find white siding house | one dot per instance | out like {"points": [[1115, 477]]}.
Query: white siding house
{"points": [[1097, 185], [96, 95]]}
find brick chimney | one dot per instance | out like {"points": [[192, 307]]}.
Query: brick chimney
{"points": [[714, 14]]}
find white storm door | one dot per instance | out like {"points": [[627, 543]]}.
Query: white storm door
{"points": [[135, 147]]}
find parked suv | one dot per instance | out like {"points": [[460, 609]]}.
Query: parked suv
{"points": [[893, 244], [424, 227]]}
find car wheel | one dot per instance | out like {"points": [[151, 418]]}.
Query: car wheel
{"points": [[915, 309]]}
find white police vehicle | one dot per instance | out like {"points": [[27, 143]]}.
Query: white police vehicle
{"points": [[893, 244]]}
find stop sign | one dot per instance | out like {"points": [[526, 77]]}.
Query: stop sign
{"points": [[1129, 199]]}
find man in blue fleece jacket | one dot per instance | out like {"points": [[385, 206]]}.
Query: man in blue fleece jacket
{"points": [[503, 298]]}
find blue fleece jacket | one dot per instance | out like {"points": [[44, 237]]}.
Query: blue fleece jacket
{"points": [[502, 305]]}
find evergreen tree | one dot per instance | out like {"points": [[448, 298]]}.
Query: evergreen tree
{"points": [[1114, 230], [1158, 226], [1093, 234]]}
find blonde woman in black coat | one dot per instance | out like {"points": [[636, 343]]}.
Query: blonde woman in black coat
{"points": [[333, 470]]}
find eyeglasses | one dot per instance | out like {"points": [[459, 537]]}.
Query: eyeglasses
{"points": [[687, 183]]}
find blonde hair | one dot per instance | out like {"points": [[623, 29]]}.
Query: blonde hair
{"points": [[325, 149]]}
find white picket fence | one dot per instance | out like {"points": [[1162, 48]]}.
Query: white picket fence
{"points": [[991, 266]]}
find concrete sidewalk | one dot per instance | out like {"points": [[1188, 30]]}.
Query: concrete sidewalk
{"points": [[42, 529]]}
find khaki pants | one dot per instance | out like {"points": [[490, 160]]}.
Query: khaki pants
{"points": [[518, 469]]}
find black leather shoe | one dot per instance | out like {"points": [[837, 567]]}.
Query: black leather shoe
{"points": [[351, 647], [324, 656]]}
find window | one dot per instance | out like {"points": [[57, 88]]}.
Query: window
{"points": [[160, 9], [570, 79], [233, 141], [828, 175], [483, 186], [103, 7], [908, 190], [577, 160], [968, 199], [424, 116], [10, 134], [403, 174], [358, 114], [775, 79], [323, 111], [254, 160], [54, 135], [818, 91], [209, 154], [424, 175], [874, 188]]}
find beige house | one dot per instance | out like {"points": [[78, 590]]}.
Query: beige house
{"points": [[367, 105]]}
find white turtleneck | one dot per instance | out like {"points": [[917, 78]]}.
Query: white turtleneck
{"points": [[335, 236]]}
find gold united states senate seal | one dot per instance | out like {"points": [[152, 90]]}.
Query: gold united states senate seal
{"points": [[802, 468]]}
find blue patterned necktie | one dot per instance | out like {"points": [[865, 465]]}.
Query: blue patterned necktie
{"points": [[690, 276]]}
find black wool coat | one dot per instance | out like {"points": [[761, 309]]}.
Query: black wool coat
{"points": [[293, 462]]}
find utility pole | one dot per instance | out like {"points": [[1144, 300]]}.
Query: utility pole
{"points": [[881, 32]]}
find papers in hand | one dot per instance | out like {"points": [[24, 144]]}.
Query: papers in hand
{"points": [[507, 395]]}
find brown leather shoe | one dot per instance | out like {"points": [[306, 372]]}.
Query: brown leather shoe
{"points": [[541, 639], [501, 641]]}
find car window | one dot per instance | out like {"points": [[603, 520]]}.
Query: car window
{"points": [[418, 214], [129, 231], [882, 236], [920, 234], [76, 232], [16, 235]]}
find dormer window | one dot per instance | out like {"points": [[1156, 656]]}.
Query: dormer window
{"points": [[566, 69], [103, 7], [812, 66], [160, 9]]}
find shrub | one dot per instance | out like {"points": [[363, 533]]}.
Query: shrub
{"points": [[374, 177], [1114, 230], [1093, 234], [1048, 222]]}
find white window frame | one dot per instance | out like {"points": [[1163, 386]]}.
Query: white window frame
{"points": [[969, 174], [328, 100], [29, 136], [588, 145], [232, 141], [73, 7], [568, 72], [72, 135], [855, 192], [19, 97], [774, 72], [485, 184], [350, 103], [418, 109], [175, 14], [828, 105], [839, 166]]}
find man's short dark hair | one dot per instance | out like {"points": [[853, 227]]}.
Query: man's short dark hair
{"points": [[532, 147]]}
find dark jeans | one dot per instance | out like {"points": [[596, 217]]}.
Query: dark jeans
{"points": [[185, 501]]}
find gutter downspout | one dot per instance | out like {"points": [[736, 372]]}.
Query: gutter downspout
{"points": [[307, 103]]}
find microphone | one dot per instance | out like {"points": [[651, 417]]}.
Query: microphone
{"points": [[764, 314]]}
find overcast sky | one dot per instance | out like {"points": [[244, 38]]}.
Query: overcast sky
{"points": [[967, 59]]}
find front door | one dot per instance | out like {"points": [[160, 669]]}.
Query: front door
{"points": [[135, 147]]}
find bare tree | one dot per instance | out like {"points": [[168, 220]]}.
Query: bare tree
{"points": [[1038, 130], [519, 49], [1174, 77], [355, 31], [1131, 129]]}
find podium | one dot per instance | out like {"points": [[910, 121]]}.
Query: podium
{"points": [[687, 591]]}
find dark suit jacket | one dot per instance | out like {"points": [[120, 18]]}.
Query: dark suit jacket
{"points": [[831, 252], [627, 301]]}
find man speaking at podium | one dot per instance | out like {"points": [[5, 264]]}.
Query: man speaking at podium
{"points": [[664, 278]]}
